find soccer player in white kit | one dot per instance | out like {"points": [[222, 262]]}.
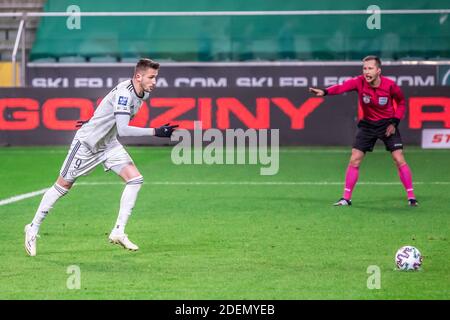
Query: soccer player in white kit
{"points": [[96, 143]]}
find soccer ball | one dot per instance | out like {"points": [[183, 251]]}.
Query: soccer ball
{"points": [[408, 258]]}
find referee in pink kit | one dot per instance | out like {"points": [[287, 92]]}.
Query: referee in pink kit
{"points": [[379, 121]]}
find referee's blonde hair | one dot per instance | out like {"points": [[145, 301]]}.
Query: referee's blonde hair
{"points": [[375, 58]]}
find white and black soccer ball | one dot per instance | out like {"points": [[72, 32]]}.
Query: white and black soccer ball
{"points": [[408, 258]]}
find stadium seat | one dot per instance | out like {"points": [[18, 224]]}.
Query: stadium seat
{"points": [[103, 59], [390, 41], [72, 59], [129, 59], [407, 58], [440, 58], [45, 60]]}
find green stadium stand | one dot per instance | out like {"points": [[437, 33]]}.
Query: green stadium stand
{"points": [[103, 59], [129, 59], [244, 38], [72, 59], [45, 60]]}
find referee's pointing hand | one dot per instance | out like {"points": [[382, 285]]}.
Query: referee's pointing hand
{"points": [[318, 92]]}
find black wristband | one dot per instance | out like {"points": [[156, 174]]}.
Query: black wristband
{"points": [[325, 92]]}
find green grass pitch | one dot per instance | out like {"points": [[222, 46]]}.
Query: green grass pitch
{"points": [[226, 232]]}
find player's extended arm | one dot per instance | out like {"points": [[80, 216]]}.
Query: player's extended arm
{"points": [[125, 130], [348, 85]]}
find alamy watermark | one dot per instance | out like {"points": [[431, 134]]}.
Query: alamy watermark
{"points": [[74, 280], [374, 280], [234, 146], [374, 20], [74, 19]]}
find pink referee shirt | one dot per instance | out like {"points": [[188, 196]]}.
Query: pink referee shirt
{"points": [[377, 103]]}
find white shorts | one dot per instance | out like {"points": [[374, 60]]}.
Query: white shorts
{"points": [[80, 161]]}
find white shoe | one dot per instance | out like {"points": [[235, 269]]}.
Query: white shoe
{"points": [[123, 240], [30, 241]]}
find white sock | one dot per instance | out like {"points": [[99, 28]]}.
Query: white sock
{"points": [[127, 202], [47, 202]]}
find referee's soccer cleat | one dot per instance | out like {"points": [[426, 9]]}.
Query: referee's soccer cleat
{"points": [[413, 202], [343, 202], [30, 241], [122, 239]]}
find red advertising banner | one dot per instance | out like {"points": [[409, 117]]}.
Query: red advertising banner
{"points": [[48, 116]]}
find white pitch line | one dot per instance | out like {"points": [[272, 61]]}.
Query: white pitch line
{"points": [[168, 150], [222, 183], [226, 183], [22, 197], [261, 183]]}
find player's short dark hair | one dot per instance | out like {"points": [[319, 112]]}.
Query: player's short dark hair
{"points": [[144, 64], [375, 58]]}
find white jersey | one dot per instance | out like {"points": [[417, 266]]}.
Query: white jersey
{"points": [[101, 130]]}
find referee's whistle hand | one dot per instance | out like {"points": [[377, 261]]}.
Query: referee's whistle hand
{"points": [[317, 92]]}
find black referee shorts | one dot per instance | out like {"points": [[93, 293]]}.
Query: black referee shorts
{"points": [[369, 132]]}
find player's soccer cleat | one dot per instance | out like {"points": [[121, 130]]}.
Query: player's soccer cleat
{"points": [[122, 239], [30, 241], [413, 202], [343, 202]]}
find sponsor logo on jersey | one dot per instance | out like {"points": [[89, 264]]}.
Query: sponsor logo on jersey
{"points": [[123, 100], [366, 99], [382, 100]]}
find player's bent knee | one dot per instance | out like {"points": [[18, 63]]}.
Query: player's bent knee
{"points": [[398, 158], [356, 158], [355, 161], [64, 183], [399, 163], [136, 180], [127, 171]]}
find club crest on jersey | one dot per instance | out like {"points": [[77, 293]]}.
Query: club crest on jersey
{"points": [[382, 100], [366, 99], [123, 100]]}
